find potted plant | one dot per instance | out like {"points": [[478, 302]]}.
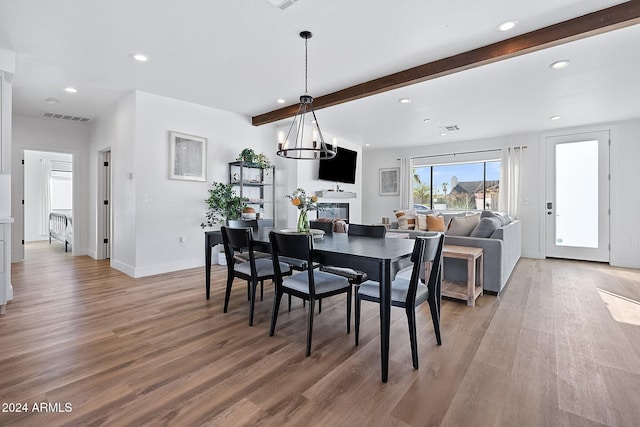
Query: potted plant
{"points": [[223, 204], [251, 158]]}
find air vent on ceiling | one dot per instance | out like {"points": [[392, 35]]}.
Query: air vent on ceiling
{"points": [[282, 4], [450, 128], [65, 117]]}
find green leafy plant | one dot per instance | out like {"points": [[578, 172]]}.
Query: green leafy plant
{"points": [[223, 204], [250, 157]]}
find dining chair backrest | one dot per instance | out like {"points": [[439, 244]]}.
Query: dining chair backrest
{"points": [[265, 222], [237, 240], [367, 230], [292, 245], [238, 223], [326, 226], [430, 253]]}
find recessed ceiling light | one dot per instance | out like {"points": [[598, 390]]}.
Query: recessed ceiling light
{"points": [[404, 100], [52, 101], [559, 65], [280, 101], [507, 25], [367, 145], [71, 89], [140, 57], [443, 134], [554, 118]]}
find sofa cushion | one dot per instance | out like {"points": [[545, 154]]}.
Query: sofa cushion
{"points": [[462, 226], [435, 223], [502, 217], [486, 227], [448, 215]]}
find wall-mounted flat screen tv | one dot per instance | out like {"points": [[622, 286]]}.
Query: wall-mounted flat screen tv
{"points": [[342, 168]]}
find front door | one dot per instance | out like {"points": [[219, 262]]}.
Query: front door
{"points": [[577, 196]]}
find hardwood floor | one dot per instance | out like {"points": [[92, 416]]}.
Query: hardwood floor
{"points": [[559, 347]]}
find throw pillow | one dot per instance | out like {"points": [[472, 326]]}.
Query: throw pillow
{"points": [[421, 222], [411, 221], [435, 223], [403, 224], [486, 227], [462, 226], [339, 226]]}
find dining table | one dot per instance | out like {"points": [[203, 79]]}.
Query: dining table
{"points": [[379, 257]]}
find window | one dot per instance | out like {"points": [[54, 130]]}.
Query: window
{"points": [[61, 190], [457, 186]]}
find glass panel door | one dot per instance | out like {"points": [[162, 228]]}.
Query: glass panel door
{"points": [[577, 205]]}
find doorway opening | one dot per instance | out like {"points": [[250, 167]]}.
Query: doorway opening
{"points": [[47, 196]]}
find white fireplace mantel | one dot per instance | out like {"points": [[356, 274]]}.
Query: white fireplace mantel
{"points": [[330, 194]]}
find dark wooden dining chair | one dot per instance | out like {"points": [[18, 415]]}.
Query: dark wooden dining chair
{"points": [[253, 271], [409, 294], [239, 223], [243, 256], [367, 230], [326, 226], [310, 285], [356, 277]]}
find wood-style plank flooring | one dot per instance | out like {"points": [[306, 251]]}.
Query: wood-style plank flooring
{"points": [[559, 347]]}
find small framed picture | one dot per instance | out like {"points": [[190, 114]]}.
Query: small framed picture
{"points": [[187, 157], [389, 182]]}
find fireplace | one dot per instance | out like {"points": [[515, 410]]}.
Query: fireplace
{"points": [[334, 211]]}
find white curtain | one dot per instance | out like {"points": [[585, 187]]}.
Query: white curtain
{"points": [[510, 180], [45, 176], [405, 182]]}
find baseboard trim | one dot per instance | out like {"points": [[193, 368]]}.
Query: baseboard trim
{"points": [[152, 270]]}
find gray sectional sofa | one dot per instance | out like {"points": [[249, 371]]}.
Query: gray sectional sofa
{"points": [[501, 251]]}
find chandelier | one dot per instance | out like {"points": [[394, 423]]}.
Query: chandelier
{"points": [[303, 145]]}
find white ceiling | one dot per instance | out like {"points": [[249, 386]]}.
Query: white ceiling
{"points": [[241, 55]]}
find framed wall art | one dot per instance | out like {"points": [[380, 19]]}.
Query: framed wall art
{"points": [[187, 157], [389, 181]]}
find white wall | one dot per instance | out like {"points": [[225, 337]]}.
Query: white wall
{"points": [[55, 136], [151, 212], [116, 130], [7, 68], [625, 152], [625, 201], [33, 192], [166, 209]]}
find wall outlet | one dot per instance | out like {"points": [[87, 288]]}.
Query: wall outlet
{"points": [[635, 241]]}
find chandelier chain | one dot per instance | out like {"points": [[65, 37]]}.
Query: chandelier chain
{"points": [[306, 65]]}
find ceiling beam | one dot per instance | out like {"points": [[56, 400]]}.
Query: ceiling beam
{"points": [[613, 18]]}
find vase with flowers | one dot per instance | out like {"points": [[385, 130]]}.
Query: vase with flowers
{"points": [[304, 203]]}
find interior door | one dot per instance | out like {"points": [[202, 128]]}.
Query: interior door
{"points": [[106, 203], [577, 196]]}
